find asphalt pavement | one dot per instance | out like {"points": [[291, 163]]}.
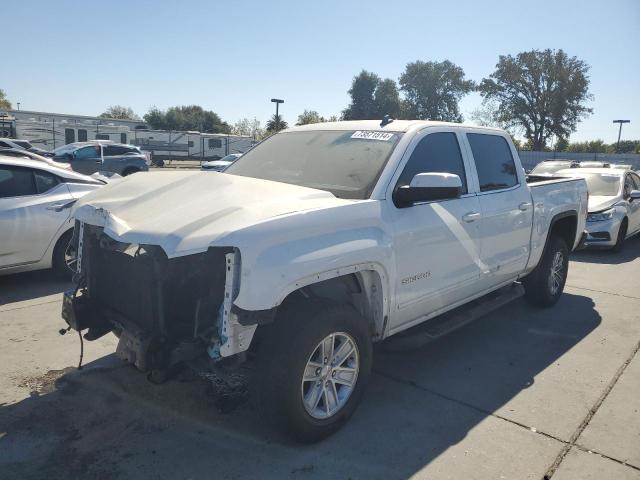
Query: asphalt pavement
{"points": [[521, 393]]}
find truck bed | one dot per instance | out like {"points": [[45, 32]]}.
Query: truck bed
{"points": [[553, 196]]}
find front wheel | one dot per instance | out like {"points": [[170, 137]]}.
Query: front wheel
{"points": [[313, 365], [545, 284], [63, 259], [622, 234]]}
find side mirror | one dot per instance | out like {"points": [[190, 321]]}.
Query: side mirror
{"points": [[425, 187], [634, 195], [69, 156]]}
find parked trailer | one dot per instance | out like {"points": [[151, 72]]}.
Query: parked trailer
{"points": [[50, 134], [166, 144]]}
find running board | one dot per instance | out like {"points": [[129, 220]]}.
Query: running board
{"points": [[416, 337]]}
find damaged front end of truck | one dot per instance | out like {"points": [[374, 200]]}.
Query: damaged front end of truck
{"points": [[165, 311]]}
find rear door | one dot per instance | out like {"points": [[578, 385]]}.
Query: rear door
{"points": [[506, 206], [436, 243], [30, 215], [87, 159]]}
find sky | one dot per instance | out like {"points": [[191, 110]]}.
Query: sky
{"points": [[79, 57]]}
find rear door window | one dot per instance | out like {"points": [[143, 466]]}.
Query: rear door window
{"points": [[494, 162], [436, 152], [16, 182], [45, 181]]}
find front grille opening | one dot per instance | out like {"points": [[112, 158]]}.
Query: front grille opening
{"points": [[170, 298]]}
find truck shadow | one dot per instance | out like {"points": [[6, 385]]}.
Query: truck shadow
{"points": [[18, 287], [630, 252], [107, 421]]}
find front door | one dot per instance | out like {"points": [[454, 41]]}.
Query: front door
{"points": [[30, 213], [506, 206], [437, 244], [633, 180]]}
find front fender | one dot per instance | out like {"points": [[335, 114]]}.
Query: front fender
{"points": [[272, 274]]}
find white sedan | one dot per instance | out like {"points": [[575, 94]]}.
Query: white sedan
{"points": [[614, 204], [35, 202]]}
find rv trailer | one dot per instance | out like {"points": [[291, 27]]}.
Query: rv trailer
{"points": [[173, 145]]}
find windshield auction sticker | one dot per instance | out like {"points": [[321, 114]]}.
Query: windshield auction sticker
{"points": [[384, 136]]}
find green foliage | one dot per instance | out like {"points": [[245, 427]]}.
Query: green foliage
{"points": [[119, 112], [186, 117], [248, 127], [310, 116], [276, 123], [626, 146], [4, 102], [372, 98], [432, 90], [593, 146], [561, 145], [386, 99], [541, 92]]}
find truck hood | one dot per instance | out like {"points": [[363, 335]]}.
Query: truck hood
{"points": [[597, 203], [186, 212]]}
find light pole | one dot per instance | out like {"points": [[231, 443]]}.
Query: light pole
{"points": [[277, 101], [18, 103], [620, 130]]}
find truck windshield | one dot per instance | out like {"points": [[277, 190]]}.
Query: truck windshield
{"points": [[345, 163]]}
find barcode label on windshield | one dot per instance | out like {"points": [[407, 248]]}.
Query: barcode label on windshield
{"points": [[384, 136]]}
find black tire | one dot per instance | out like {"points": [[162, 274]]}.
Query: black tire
{"points": [[58, 259], [285, 348], [539, 287], [129, 171], [622, 233]]}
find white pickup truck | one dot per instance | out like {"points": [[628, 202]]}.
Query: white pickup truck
{"points": [[316, 243]]}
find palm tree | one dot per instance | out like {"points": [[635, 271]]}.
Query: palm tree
{"points": [[276, 123]]}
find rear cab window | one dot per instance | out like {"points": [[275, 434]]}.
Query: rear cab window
{"points": [[494, 161]]}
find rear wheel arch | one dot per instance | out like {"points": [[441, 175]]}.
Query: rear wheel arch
{"points": [[564, 225]]}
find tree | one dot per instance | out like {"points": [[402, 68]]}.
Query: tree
{"points": [[386, 99], [625, 146], [4, 102], [372, 98], [186, 117], [561, 145], [120, 112], [541, 92], [247, 127], [310, 116], [276, 123], [433, 89], [593, 146], [362, 92]]}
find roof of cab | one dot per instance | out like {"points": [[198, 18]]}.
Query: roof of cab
{"points": [[393, 126]]}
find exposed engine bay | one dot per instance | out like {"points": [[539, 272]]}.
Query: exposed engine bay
{"points": [[164, 311]]}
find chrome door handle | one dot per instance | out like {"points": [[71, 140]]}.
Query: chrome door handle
{"points": [[470, 217], [58, 207], [524, 206]]}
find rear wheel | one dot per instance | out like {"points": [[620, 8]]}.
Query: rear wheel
{"points": [[313, 365], [545, 284], [129, 171], [622, 233]]}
